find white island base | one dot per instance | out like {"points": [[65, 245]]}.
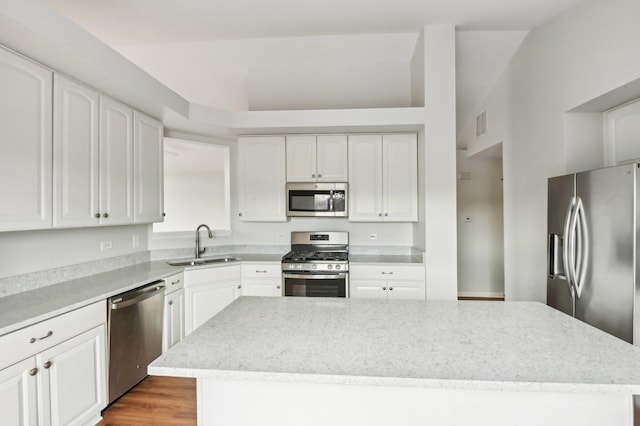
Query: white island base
{"points": [[312, 361], [238, 402]]}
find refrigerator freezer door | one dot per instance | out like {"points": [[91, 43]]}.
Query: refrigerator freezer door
{"points": [[561, 191], [607, 297]]}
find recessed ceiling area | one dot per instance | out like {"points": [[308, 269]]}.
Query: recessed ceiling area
{"points": [[252, 55]]}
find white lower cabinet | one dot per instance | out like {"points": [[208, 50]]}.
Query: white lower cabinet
{"points": [[262, 279], [387, 281], [207, 292], [62, 378], [173, 329]]}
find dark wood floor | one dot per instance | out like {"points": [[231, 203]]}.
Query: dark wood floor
{"points": [[155, 401]]}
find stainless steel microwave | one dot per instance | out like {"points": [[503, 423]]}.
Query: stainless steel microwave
{"points": [[317, 199]]}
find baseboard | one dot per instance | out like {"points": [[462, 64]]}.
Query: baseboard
{"points": [[481, 294]]}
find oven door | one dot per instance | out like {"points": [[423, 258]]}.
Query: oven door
{"points": [[316, 285]]}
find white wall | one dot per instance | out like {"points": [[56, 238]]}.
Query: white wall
{"points": [[480, 226], [440, 163], [579, 56], [30, 251]]}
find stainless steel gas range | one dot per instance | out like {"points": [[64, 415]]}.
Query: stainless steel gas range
{"points": [[317, 265]]}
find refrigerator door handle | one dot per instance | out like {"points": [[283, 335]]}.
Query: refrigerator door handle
{"points": [[567, 247], [582, 256]]}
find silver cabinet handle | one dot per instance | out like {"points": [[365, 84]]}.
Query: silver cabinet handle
{"points": [[47, 364], [35, 339], [380, 214], [170, 302], [386, 214], [239, 286], [384, 288], [387, 273], [106, 215], [97, 215], [278, 287], [240, 214], [390, 288], [175, 282], [261, 272], [313, 176], [319, 175], [33, 371]]}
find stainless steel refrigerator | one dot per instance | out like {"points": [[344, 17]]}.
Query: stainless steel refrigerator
{"points": [[592, 268]]}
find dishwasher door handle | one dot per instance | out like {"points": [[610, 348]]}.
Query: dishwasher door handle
{"points": [[136, 297]]}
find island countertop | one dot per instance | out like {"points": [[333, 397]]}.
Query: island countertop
{"points": [[436, 344]]}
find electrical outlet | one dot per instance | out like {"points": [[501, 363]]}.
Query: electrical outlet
{"points": [[373, 236], [106, 245], [135, 241]]}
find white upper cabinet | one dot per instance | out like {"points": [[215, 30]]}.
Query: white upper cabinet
{"points": [[25, 144], [317, 158], [149, 169], [261, 179], [383, 178], [116, 162], [76, 178]]}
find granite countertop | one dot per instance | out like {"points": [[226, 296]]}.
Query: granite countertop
{"points": [[472, 345], [27, 308]]}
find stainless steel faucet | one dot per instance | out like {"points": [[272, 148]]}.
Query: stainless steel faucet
{"points": [[198, 251]]}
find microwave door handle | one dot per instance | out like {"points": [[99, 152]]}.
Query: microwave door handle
{"points": [[331, 203]]}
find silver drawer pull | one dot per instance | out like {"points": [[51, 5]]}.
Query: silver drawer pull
{"points": [[390, 288], [47, 364], [175, 282], [261, 272], [384, 288], [387, 273], [33, 371], [35, 339]]}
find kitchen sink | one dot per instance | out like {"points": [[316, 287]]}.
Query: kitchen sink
{"points": [[201, 261]]}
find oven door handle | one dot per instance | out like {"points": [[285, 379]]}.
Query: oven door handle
{"points": [[315, 276]]}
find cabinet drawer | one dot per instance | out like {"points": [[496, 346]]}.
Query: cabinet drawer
{"points": [[33, 339], [386, 271], [206, 275], [174, 283], [261, 270]]}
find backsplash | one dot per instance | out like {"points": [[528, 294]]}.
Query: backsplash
{"points": [[34, 280]]}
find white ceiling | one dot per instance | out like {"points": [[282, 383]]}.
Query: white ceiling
{"points": [[489, 32]]}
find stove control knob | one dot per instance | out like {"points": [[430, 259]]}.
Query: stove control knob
{"points": [[329, 267], [314, 266], [337, 266]]}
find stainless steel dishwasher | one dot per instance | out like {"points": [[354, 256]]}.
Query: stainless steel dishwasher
{"points": [[135, 336]]}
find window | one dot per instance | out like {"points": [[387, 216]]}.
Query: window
{"points": [[196, 186]]}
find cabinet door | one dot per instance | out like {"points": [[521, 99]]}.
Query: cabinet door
{"points": [[76, 186], [365, 178], [18, 403], [368, 289], [204, 301], [148, 169], [25, 144], [72, 380], [332, 158], [173, 330], [261, 179], [400, 178], [406, 290], [116, 162], [301, 158]]}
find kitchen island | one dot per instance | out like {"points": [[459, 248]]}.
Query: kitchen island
{"points": [[291, 361]]}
